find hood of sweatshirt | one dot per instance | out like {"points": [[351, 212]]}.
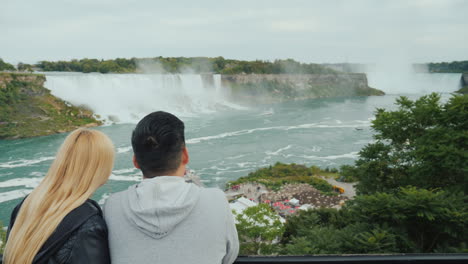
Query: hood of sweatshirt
{"points": [[157, 205]]}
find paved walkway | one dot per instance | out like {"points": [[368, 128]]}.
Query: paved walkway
{"points": [[249, 190], [349, 189]]}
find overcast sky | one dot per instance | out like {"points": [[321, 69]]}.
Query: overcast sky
{"points": [[367, 31]]}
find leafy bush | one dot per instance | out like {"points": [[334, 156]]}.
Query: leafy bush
{"points": [[421, 144], [429, 219], [258, 227], [411, 220]]}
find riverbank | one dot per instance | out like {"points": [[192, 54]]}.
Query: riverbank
{"points": [[28, 109]]}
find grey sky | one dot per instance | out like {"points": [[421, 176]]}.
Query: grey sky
{"points": [[309, 31]]}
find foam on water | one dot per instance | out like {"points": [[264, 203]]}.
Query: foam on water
{"points": [[278, 151], [123, 171], [351, 155], [12, 195], [26, 182], [124, 149], [250, 131], [23, 162]]}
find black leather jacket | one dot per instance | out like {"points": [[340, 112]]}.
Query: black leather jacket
{"points": [[87, 244]]}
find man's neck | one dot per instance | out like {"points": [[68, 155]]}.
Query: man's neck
{"points": [[180, 172]]}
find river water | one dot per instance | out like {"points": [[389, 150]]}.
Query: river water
{"points": [[225, 140]]}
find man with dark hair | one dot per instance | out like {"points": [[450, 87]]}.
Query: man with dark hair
{"points": [[164, 219]]}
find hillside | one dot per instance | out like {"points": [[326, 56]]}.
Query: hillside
{"points": [[28, 109]]}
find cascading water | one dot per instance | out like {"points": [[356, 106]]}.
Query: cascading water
{"points": [[408, 82], [126, 98]]}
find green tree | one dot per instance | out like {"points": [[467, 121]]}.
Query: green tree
{"points": [[258, 227], [430, 220], [5, 66], [408, 221], [424, 144], [24, 67], [330, 231]]}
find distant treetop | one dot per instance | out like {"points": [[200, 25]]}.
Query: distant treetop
{"points": [[217, 65], [5, 66], [454, 66]]}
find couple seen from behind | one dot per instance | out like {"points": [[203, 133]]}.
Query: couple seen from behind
{"points": [[162, 219]]}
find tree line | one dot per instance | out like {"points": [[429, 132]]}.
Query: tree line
{"points": [[454, 66], [217, 65]]}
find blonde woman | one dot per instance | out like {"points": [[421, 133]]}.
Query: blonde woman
{"points": [[57, 222]]}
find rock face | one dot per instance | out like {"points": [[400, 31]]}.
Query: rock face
{"points": [[285, 87], [465, 79], [27, 109], [464, 84]]}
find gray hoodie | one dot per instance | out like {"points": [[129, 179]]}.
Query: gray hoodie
{"points": [[166, 220]]}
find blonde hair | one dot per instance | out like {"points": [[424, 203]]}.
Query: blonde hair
{"points": [[84, 162]]}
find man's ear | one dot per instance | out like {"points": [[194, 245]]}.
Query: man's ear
{"points": [[135, 162], [185, 156]]}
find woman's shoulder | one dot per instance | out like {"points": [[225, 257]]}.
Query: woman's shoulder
{"points": [[95, 221], [91, 233]]}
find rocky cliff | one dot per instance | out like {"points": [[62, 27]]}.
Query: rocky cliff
{"points": [[463, 84], [269, 88], [27, 109]]}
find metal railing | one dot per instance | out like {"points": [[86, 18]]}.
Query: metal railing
{"points": [[354, 259]]}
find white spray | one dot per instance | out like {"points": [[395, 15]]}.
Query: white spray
{"points": [[126, 98]]}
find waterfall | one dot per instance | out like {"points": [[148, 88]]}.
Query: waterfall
{"points": [[409, 82], [126, 98]]}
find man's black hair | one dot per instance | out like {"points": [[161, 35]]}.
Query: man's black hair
{"points": [[158, 141]]}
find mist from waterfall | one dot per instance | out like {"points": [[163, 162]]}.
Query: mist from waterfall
{"points": [[401, 78], [126, 98]]}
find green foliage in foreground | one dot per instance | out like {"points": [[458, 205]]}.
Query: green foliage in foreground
{"points": [[423, 143], [276, 176], [463, 90], [413, 220], [5, 66], [183, 64], [258, 226], [410, 221], [412, 188], [2, 238]]}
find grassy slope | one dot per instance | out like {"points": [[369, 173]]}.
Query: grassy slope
{"points": [[275, 176], [27, 109]]}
